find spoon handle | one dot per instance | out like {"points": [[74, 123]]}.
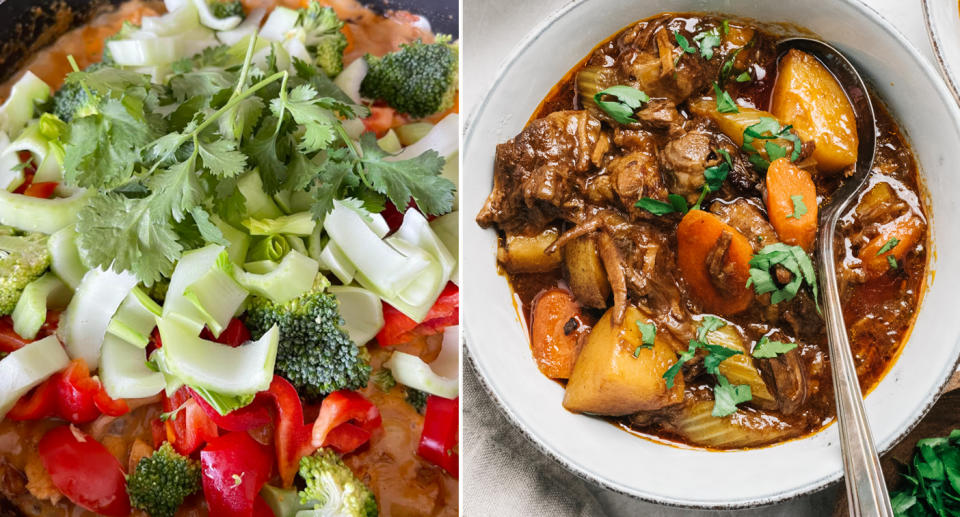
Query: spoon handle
{"points": [[866, 489]]}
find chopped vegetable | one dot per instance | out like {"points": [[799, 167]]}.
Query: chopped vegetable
{"points": [[767, 348], [697, 236], [31, 309], [135, 320], [84, 470], [84, 324], [362, 312], [160, 482], [419, 79], [124, 373], [795, 260], [65, 256], [554, 340], [20, 105], [333, 488], [440, 437], [27, 367], [292, 277], [930, 482], [725, 103], [23, 259], [235, 467], [216, 295], [411, 371], [792, 203], [345, 411]]}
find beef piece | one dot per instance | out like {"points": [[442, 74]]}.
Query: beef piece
{"points": [[660, 115], [747, 218], [636, 175], [787, 377], [683, 161], [532, 171]]}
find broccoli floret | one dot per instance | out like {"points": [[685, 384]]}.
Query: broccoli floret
{"points": [[320, 33], [162, 481], [416, 398], [226, 9], [315, 354], [22, 259], [72, 97], [333, 488], [419, 79], [383, 379]]}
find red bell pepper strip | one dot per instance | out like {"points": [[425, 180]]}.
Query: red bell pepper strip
{"points": [[70, 394], [84, 471], [42, 189], [440, 437], [261, 508], [399, 328], [188, 427], [235, 468], [234, 335], [254, 415], [339, 408], [291, 435], [347, 437], [9, 339]]}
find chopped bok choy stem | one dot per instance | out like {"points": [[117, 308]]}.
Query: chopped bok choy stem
{"points": [[124, 372], [31, 309], [259, 204], [135, 319], [333, 260], [271, 247], [295, 224], [38, 145], [239, 241], [246, 28], [193, 265], [411, 371], [65, 256], [34, 214], [292, 277], [447, 229], [27, 367], [350, 79], [361, 311], [244, 370], [84, 323], [11, 174], [19, 108], [208, 19], [444, 138], [217, 295]]}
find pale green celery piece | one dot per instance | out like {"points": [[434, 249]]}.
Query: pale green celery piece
{"points": [[65, 256], [416, 230], [208, 19], [27, 367], [11, 174], [294, 224], [410, 133], [124, 372], [245, 30], [33, 141], [258, 203], [34, 214], [260, 267], [333, 260], [84, 323], [177, 20], [349, 80], [292, 277], [390, 142], [238, 239], [191, 267], [217, 295], [315, 244], [244, 370], [296, 243], [282, 198], [20, 105], [135, 319], [361, 310], [416, 297], [45, 292], [284, 502], [270, 247], [411, 371], [447, 229]]}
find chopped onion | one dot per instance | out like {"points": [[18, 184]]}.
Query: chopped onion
{"points": [[362, 312], [27, 367], [85, 321], [411, 371]]}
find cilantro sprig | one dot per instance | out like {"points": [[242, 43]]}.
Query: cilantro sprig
{"points": [[799, 207], [930, 482], [769, 131], [795, 260], [648, 334], [767, 348], [628, 100]]}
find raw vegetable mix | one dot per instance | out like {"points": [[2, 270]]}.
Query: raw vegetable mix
{"points": [[225, 229]]}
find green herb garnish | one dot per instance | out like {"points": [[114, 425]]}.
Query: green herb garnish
{"points": [[648, 333], [889, 245], [795, 260], [743, 77], [707, 41], [628, 100], [930, 482], [768, 128], [726, 396], [799, 207], [725, 103], [684, 44], [656, 207], [767, 348], [892, 262]]}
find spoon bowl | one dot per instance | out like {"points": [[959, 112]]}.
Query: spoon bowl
{"points": [[866, 490]]}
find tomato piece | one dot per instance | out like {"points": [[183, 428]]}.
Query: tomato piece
{"points": [[399, 328], [43, 189], [341, 407], [440, 437], [235, 468], [9, 339], [84, 471]]}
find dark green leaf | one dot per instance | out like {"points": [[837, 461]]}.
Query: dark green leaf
{"points": [[684, 44], [889, 245], [656, 207], [648, 333], [774, 151], [717, 355], [767, 348], [671, 373], [726, 396], [799, 207], [627, 98], [400, 180], [725, 102], [707, 40], [707, 325], [744, 77], [892, 262]]}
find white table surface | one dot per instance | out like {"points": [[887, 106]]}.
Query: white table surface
{"points": [[490, 31]]}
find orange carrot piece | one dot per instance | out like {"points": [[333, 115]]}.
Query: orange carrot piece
{"points": [[554, 340], [697, 234], [906, 229], [784, 181]]}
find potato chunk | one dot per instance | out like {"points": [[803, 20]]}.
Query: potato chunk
{"points": [[608, 380], [807, 96], [588, 279], [527, 253], [734, 124]]}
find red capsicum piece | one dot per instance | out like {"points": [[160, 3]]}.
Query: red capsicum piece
{"points": [[399, 328], [70, 394], [9, 339], [438, 442], [291, 435], [234, 335], [341, 407], [84, 470], [41, 189], [188, 426], [235, 467], [254, 415]]}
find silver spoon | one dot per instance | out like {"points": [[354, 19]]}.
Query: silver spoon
{"points": [[866, 489]]}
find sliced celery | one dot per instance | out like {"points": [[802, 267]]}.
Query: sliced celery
{"points": [[411, 371], [260, 267], [258, 203], [444, 138], [361, 310], [34, 214], [247, 28], [244, 370], [84, 323], [31, 309], [124, 373], [27, 367], [65, 256], [11, 174], [271, 247], [20, 106], [333, 260], [177, 20], [192, 266], [351, 77], [217, 295], [31, 140], [238, 239], [292, 277], [296, 243], [281, 21], [416, 230], [447, 229], [294, 224], [135, 319]]}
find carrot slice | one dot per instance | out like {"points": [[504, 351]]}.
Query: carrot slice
{"points": [[795, 219], [697, 235], [554, 339], [902, 234]]}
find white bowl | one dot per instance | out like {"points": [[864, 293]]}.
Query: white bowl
{"points": [[598, 451], [942, 19]]}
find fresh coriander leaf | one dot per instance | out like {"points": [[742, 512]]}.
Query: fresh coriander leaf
{"points": [[726, 26], [744, 77], [628, 99], [717, 355], [725, 103], [762, 281], [678, 202], [726, 156], [656, 207], [799, 207], [262, 150], [726, 396], [795, 260], [238, 122], [648, 333], [727, 65], [774, 151], [177, 189], [684, 44], [400, 180], [715, 176], [707, 325], [889, 245], [707, 40], [334, 178], [671, 373], [204, 82], [222, 158], [209, 231], [892, 262], [304, 106], [767, 348]]}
